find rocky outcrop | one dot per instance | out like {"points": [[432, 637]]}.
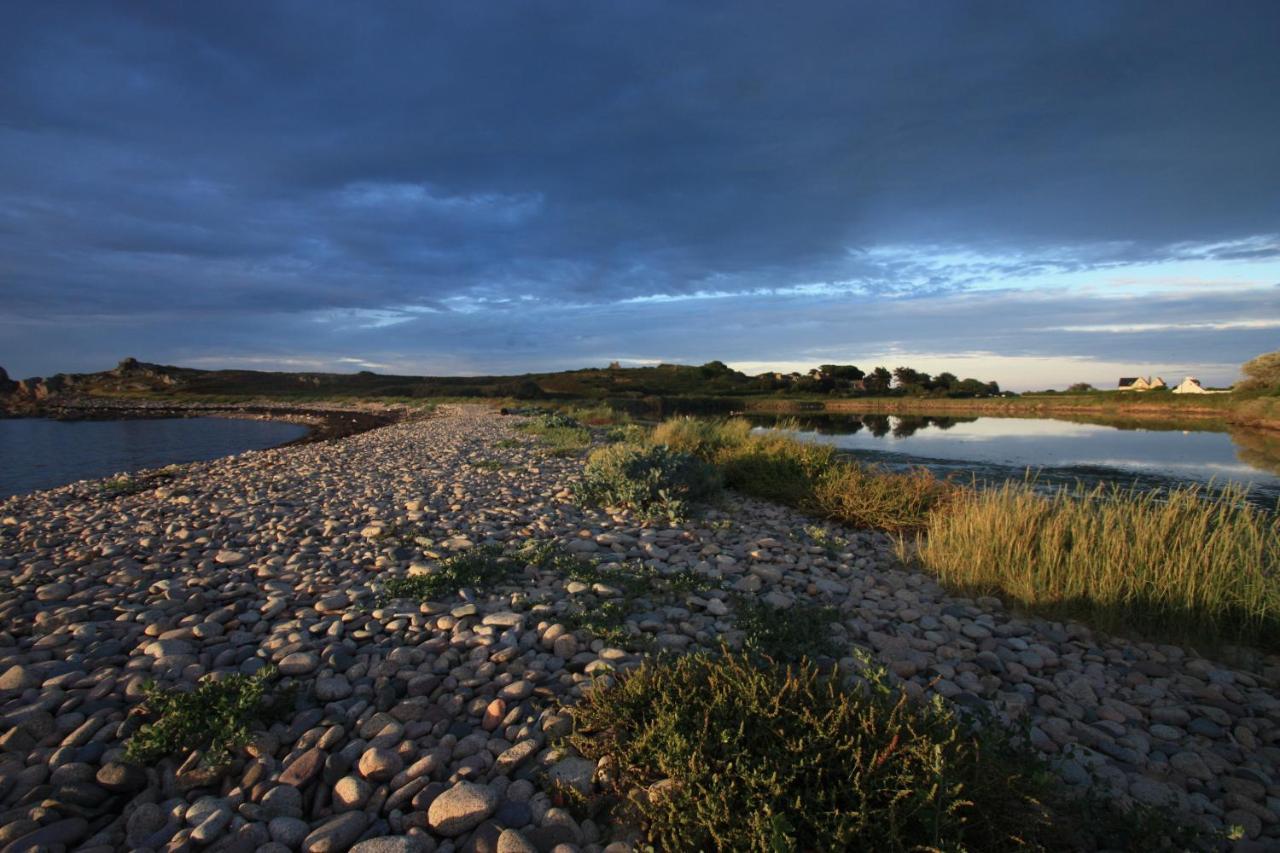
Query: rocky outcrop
{"points": [[39, 395]]}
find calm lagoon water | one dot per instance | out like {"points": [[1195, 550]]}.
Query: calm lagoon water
{"points": [[40, 454], [1057, 452]]}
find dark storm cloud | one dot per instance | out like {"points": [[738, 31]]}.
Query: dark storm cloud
{"points": [[212, 163]]}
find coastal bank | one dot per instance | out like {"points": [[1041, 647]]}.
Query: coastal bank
{"points": [[436, 725]]}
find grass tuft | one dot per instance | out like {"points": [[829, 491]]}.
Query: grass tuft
{"points": [[476, 568], [869, 497], [217, 717], [561, 435], [718, 753]]}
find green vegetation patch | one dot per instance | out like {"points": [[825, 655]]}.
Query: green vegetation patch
{"points": [[218, 717], [561, 435], [654, 481], [870, 497], [132, 484], [786, 635], [721, 754], [606, 621], [1178, 563], [812, 477], [476, 568]]}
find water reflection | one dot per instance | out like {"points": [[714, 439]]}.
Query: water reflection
{"points": [[1145, 453]]}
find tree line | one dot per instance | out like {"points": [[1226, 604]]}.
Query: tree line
{"points": [[849, 380]]}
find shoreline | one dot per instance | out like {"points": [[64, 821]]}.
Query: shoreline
{"points": [[324, 423], [404, 707], [1260, 413]]}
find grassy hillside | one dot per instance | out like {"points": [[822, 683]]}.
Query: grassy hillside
{"points": [[655, 391]]}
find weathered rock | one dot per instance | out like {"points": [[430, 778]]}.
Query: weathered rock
{"points": [[336, 834], [462, 807], [573, 772]]}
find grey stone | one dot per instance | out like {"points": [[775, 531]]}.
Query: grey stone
{"points": [[462, 807]]}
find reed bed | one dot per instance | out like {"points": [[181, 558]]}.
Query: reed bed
{"points": [[1181, 562], [1184, 563]]}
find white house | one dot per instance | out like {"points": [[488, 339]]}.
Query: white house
{"points": [[1190, 385]]}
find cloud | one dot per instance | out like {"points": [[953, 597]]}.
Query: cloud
{"points": [[501, 178]]}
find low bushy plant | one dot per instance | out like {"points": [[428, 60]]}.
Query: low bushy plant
{"points": [[475, 568], [718, 753], [654, 481], [776, 468], [703, 437], [219, 716], [606, 621], [561, 434], [628, 434], [867, 496], [786, 635]]}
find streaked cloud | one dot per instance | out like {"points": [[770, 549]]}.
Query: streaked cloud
{"points": [[501, 188]]}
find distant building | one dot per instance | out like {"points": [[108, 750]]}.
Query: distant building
{"points": [[1141, 383], [1190, 385]]}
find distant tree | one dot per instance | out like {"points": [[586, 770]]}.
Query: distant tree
{"points": [[1080, 388], [911, 380], [877, 381], [845, 372], [1261, 373], [945, 381]]}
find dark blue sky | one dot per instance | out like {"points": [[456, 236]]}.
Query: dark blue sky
{"points": [[1032, 192]]}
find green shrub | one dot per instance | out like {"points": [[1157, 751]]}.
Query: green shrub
{"points": [[703, 437], [1178, 563], [561, 435], [628, 434], [784, 758], [217, 717], [606, 621], [599, 415], [476, 568], [776, 468], [653, 481], [867, 496], [800, 631]]}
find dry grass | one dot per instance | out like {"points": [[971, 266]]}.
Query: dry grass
{"points": [[1179, 563], [1183, 563], [866, 496], [812, 477]]}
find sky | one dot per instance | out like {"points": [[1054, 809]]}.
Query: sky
{"points": [[1036, 193]]}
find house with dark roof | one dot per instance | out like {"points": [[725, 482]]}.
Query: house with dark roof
{"points": [[1140, 383]]}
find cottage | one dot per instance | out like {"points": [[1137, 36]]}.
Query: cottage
{"points": [[1190, 385], [1140, 383]]}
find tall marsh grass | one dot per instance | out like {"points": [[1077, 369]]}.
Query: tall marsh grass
{"points": [[1177, 563], [774, 466], [1182, 563]]}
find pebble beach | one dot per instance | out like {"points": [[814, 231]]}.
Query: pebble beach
{"points": [[436, 726]]}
